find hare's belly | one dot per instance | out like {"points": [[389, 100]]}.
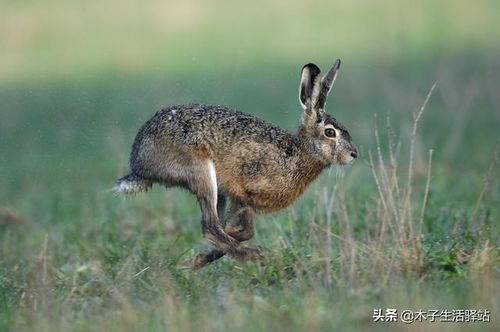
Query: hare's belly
{"points": [[265, 195]]}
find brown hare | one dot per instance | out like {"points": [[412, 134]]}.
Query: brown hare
{"points": [[218, 153]]}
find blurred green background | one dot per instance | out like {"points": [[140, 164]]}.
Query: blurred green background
{"points": [[78, 78]]}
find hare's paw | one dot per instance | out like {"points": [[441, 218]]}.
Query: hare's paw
{"points": [[248, 253], [206, 257]]}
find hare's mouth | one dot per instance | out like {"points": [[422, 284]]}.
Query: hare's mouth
{"points": [[346, 158], [346, 161]]}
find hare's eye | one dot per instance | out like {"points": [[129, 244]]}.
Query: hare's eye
{"points": [[330, 132]]}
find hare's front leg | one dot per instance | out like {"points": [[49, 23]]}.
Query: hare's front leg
{"points": [[221, 207], [238, 224]]}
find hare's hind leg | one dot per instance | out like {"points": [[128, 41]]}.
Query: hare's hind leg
{"points": [[213, 254], [204, 186], [238, 224]]}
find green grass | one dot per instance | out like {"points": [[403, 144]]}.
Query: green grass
{"points": [[74, 91], [72, 253]]}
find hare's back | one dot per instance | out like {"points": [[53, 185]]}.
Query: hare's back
{"points": [[181, 135], [215, 125]]}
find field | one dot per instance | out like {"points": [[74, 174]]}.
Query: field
{"points": [[412, 224]]}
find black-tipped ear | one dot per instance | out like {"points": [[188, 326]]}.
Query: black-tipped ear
{"points": [[326, 84], [309, 77]]}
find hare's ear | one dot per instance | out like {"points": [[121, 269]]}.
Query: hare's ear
{"points": [[309, 85], [326, 84]]}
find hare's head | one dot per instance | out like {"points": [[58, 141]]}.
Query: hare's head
{"points": [[327, 137]]}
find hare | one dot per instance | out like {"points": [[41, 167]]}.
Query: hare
{"points": [[218, 153]]}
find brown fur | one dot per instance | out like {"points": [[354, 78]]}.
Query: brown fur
{"points": [[259, 166]]}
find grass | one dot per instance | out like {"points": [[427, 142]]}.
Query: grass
{"points": [[76, 257], [403, 227]]}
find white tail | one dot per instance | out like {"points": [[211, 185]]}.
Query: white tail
{"points": [[131, 184]]}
